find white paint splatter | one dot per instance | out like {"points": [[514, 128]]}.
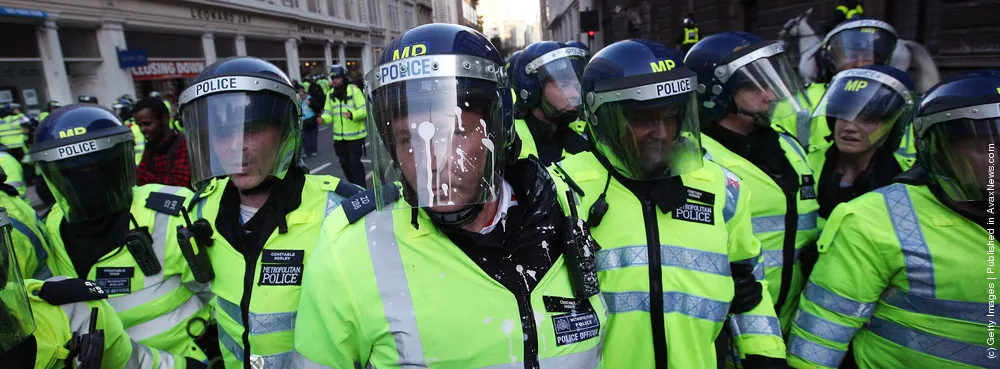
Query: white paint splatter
{"points": [[441, 276], [413, 126], [531, 273], [545, 245], [487, 320], [458, 115], [520, 270], [372, 228], [426, 132], [483, 124], [466, 104], [461, 159], [508, 328], [444, 187]]}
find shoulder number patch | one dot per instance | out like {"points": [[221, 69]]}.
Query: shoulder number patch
{"points": [[165, 203]]}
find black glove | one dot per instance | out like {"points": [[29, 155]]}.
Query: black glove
{"points": [[763, 362], [748, 290], [807, 259]]}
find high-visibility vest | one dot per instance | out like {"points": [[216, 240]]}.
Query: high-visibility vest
{"points": [[256, 325], [770, 214], [426, 304], [55, 326], [696, 248], [528, 146], [691, 36], [27, 237], [15, 173], [140, 140], [155, 310], [347, 129], [898, 279], [11, 134]]}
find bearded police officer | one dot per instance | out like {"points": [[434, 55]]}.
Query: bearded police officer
{"points": [[896, 279], [478, 265], [256, 214], [105, 229], [677, 256]]}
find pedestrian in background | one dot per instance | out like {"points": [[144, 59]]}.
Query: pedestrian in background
{"points": [[165, 160], [310, 128]]}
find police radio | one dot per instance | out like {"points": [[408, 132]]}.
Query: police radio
{"points": [[88, 348], [140, 245], [194, 241], [581, 253]]}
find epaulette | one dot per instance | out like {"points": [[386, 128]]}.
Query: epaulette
{"points": [[166, 203], [362, 203], [70, 290]]}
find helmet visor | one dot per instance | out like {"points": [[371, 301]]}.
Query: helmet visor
{"points": [[958, 153], [15, 312], [857, 44], [255, 134], [872, 100], [650, 131], [560, 82], [440, 130], [766, 87], [91, 178]]}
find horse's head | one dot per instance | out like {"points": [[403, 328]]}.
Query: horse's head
{"points": [[794, 27]]}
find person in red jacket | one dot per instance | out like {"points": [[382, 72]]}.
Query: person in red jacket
{"points": [[165, 160]]}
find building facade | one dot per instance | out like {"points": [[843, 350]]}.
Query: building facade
{"points": [[61, 49], [961, 35]]}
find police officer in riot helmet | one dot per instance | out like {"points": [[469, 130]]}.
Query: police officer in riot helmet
{"points": [[123, 107], [440, 127], [17, 342], [88, 99]]}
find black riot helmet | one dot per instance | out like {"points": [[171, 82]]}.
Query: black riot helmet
{"points": [[87, 157], [440, 121], [958, 129], [241, 118]]}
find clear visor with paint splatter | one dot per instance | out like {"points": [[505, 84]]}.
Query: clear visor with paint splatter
{"points": [[441, 138]]}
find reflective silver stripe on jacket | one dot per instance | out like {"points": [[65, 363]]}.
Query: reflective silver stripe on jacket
{"points": [[824, 328], [673, 302], [815, 352], [145, 295], [145, 358], [775, 223], [162, 323], [393, 288], [673, 256], [302, 362], [260, 323], [279, 360], [333, 201], [755, 324], [837, 303], [944, 348], [578, 360], [776, 258], [42, 272], [972, 312], [919, 266]]}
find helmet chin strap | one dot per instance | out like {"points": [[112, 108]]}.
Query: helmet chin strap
{"points": [[456, 219], [263, 187]]}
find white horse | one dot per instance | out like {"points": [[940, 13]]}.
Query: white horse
{"points": [[908, 56]]}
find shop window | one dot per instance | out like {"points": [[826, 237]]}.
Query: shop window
{"points": [[225, 46], [311, 51], [165, 45], [19, 41]]}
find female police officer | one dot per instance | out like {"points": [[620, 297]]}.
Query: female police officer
{"points": [[478, 272]]}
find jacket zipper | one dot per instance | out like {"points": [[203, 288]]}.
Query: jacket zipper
{"points": [[530, 331], [251, 263], [788, 247], [655, 284]]}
